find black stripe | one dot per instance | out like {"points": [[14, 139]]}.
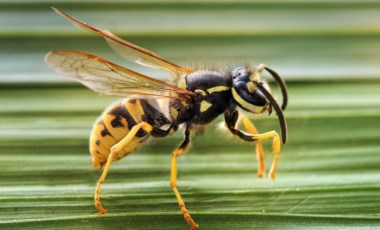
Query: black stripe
{"points": [[105, 131], [152, 115], [120, 111], [141, 133]]}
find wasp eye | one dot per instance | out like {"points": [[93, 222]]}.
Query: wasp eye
{"points": [[240, 86]]}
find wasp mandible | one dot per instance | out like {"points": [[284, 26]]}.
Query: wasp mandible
{"points": [[156, 108]]}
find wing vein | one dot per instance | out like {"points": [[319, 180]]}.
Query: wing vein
{"points": [[108, 78]]}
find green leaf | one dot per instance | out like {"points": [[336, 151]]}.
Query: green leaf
{"points": [[328, 175]]}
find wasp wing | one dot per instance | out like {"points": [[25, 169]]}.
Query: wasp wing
{"points": [[128, 50], [108, 78]]}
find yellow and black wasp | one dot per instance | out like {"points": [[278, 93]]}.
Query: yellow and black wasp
{"points": [[155, 108]]}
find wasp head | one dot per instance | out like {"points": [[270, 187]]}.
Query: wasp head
{"points": [[253, 94]]}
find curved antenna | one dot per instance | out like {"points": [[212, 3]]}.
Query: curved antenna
{"points": [[282, 85], [277, 108]]}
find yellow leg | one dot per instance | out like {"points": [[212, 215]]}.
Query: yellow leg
{"points": [[259, 148], [173, 180], [114, 150]]}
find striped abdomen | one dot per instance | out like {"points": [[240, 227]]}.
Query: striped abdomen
{"points": [[116, 122]]}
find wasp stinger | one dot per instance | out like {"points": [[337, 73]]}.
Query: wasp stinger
{"points": [[156, 108]]}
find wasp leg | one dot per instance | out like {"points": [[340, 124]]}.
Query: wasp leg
{"points": [[114, 150], [173, 178], [231, 118], [259, 146]]}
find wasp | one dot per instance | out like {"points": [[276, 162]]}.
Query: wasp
{"points": [[155, 108]]}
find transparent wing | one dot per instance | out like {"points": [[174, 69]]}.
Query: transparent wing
{"points": [[128, 50], [108, 78]]}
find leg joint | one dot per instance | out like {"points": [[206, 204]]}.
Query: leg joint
{"points": [[114, 150], [173, 184]]}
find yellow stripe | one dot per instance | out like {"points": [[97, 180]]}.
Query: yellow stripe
{"points": [[218, 89], [205, 106], [251, 87], [174, 113], [202, 92], [135, 109], [117, 132], [246, 105]]}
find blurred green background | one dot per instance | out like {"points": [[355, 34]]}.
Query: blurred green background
{"points": [[329, 171]]}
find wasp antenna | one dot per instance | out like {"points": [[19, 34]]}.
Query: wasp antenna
{"points": [[277, 108], [282, 85]]}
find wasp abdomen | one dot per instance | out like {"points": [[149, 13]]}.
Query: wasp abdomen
{"points": [[112, 126]]}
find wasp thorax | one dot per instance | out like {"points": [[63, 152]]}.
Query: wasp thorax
{"points": [[245, 91]]}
